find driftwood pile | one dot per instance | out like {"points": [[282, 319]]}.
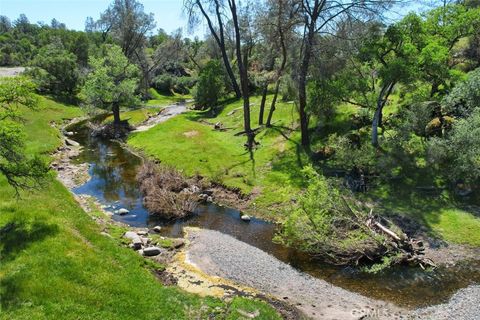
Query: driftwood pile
{"points": [[382, 241], [405, 249], [166, 192]]}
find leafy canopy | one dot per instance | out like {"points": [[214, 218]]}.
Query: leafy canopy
{"points": [[112, 81], [21, 171]]}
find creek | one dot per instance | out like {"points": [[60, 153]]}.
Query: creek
{"points": [[113, 171]]}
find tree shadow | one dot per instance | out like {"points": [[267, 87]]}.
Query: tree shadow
{"points": [[211, 113], [19, 235]]}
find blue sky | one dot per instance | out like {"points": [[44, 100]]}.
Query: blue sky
{"points": [[168, 13]]}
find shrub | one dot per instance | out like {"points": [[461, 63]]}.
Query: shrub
{"points": [[465, 97], [458, 155], [55, 70], [210, 86], [164, 83], [183, 85]]}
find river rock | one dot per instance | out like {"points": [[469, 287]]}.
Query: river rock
{"points": [[130, 235], [142, 232], [177, 243], [151, 251], [245, 217], [69, 133], [145, 240], [137, 243], [136, 240], [122, 211], [209, 199], [72, 143], [157, 229]]}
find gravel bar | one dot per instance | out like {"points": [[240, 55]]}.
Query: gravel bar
{"points": [[221, 255]]}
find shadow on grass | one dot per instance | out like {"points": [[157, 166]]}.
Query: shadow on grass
{"points": [[210, 113], [17, 236]]}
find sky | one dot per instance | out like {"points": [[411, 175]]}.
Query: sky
{"points": [[168, 13]]}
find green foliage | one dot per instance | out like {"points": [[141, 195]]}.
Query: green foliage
{"points": [[164, 83], [465, 97], [20, 170], [210, 86], [322, 222], [458, 155], [352, 152], [112, 81], [55, 70]]}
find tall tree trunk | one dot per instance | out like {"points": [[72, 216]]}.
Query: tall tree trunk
{"points": [[280, 70], [262, 103], [378, 116], [242, 63], [274, 101], [116, 113], [302, 82]]}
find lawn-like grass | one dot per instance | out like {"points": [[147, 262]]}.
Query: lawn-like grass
{"points": [[55, 264], [190, 143]]}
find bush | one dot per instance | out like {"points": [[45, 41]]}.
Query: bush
{"points": [[458, 155], [183, 85], [210, 86], [465, 97], [164, 83]]}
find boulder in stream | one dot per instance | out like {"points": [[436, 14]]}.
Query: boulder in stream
{"points": [[122, 211]]}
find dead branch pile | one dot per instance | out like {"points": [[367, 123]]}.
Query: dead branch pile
{"points": [[390, 240], [166, 192]]}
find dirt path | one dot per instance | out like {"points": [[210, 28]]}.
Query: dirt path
{"points": [[221, 255], [162, 116], [11, 72]]}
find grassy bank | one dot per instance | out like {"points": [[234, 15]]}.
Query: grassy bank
{"points": [[55, 264], [191, 143]]}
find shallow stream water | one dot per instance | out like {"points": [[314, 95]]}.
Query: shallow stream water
{"points": [[112, 181]]}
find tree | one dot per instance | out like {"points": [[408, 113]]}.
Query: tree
{"points": [[216, 25], [5, 24], [20, 170], [281, 18], [55, 70], [210, 85], [322, 16], [112, 82], [129, 25]]}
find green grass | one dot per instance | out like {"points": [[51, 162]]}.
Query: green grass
{"points": [[190, 143], [136, 116], [162, 100], [150, 108], [441, 215], [55, 264]]}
